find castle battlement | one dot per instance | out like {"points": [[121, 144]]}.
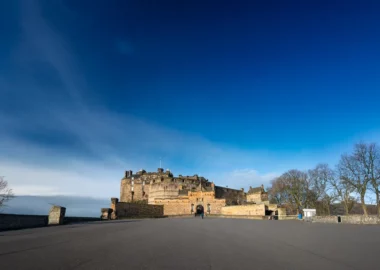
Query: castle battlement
{"points": [[182, 193]]}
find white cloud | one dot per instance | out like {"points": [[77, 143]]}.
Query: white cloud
{"points": [[244, 178], [94, 145], [27, 179]]}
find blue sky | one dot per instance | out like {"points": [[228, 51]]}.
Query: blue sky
{"points": [[236, 91]]}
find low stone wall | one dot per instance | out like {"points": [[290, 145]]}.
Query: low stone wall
{"points": [[288, 218], [325, 219], [56, 215], [133, 210], [175, 207], [14, 222], [354, 219], [244, 210], [239, 217], [106, 213]]}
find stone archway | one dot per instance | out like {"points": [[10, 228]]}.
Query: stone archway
{"points": [[199, 209]]}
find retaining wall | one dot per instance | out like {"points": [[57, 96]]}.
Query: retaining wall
{"points": [[239, 216], [354, 219], [14, 222], [128, 210], [244, 210]]}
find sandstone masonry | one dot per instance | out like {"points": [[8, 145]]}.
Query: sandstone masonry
{"points": [[184, 195]]}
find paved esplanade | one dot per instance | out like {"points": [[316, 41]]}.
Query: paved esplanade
{"points": [[193, 243]]}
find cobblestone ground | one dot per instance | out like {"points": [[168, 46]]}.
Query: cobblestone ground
{"points": [[193, 243]]}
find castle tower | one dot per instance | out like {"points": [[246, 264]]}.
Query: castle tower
{"points": [[133, 187]]}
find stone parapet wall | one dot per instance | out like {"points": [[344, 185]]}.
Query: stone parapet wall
{"points": [[282, 214], [324, 219], [244, 210], [14, 222], [106, 213], [56, 215], [127, 210], [354, 219], [239, 217], [359, 219]]}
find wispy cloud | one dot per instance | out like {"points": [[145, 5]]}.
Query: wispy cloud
{"points": [[56, 142], [68, 146], [47, 45]]}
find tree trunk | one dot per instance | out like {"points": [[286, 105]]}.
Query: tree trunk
{"points": [[378, 203], [328, 208], [363, 204], [346, 207]]}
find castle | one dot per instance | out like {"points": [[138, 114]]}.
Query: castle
{"points": [[186, 195]]}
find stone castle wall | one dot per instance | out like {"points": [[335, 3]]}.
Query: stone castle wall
{"points": [[175, 207], [181, 195], [160, 183], [244, 210], [232, 196], [272, 207], [163, 191], [186, 205], [257, 197], [128, 210], [140, 191]]}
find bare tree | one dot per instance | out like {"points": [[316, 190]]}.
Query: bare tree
{"points": [[368, 155], [278, 193], [342, 191], [296, 184], [5, 192], [353, 170], [319, 179]]}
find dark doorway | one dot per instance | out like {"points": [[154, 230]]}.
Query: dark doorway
{"points": [[200, 210], [268, 212]]}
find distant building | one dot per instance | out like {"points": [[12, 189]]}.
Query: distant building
{"points": [[257, 195]]}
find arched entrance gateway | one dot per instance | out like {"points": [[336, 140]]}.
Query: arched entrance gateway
{"points": [[199, 210]]}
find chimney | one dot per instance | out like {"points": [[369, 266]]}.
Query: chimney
{"points": [[128, 174]]}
